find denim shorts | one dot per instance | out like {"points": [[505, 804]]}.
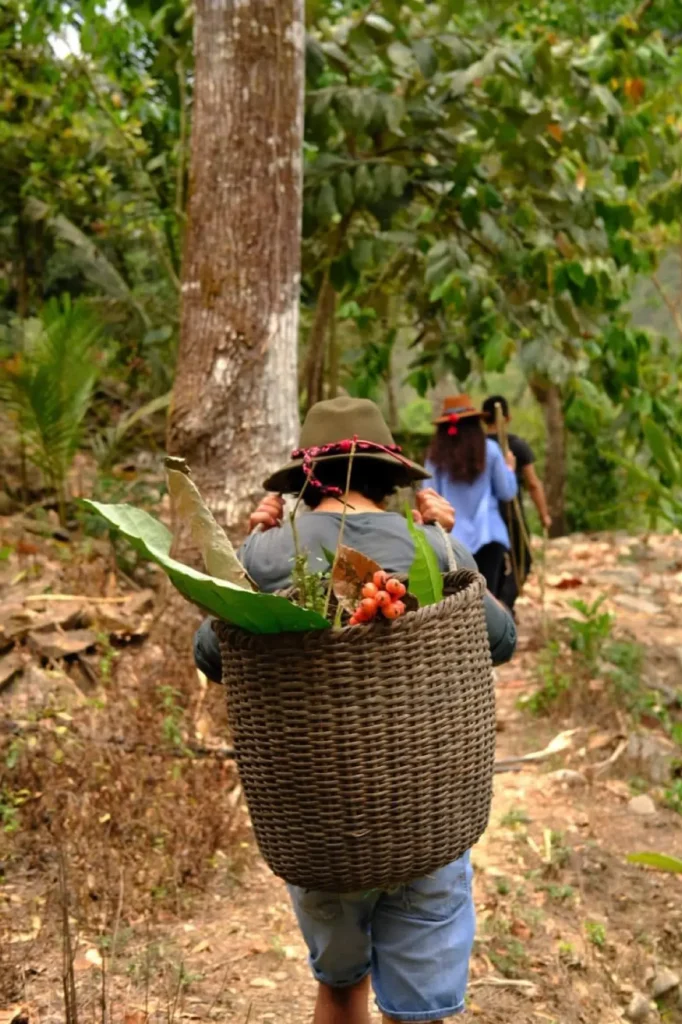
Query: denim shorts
{"points": [[415, 941]]}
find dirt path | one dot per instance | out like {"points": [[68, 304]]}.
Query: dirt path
{"points": [[568, 930]]}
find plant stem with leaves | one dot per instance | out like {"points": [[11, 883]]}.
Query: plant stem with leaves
{"points": [[341, 531]]}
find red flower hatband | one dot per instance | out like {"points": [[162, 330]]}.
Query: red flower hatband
{"points": [[311, 455]]}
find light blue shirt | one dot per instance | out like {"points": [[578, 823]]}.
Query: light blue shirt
{"points": [[478, 520]]}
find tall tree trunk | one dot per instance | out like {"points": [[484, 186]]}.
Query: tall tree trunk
{"points": [[234, 414], [549, 396], [317, 342]]}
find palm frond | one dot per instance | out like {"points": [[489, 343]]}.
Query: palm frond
{"points": [[49, 383]]}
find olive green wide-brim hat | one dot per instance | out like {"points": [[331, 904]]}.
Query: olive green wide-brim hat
{"points": [[337, 420]]}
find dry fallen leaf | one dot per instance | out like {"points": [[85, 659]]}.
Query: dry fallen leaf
{"points": [[566, 581], [520, 929], [134, 1017], [216, 548], [351, 571], [36, 925]]}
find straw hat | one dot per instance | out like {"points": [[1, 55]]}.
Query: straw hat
{"points": [[458, 407]]}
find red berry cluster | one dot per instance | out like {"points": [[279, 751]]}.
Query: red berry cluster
{"points": [[382, 594]]}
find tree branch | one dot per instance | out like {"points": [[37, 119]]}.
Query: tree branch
{"points": [[672, 308]]}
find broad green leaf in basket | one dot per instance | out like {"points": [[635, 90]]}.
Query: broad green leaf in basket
{"points": [[257, 613], [425, 581], [660, 861], [219, 556]]}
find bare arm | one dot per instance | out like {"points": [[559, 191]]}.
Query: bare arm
{"points": [[537, 493]]}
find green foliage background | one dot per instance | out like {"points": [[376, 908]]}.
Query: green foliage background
{"points": [[491, 191]]}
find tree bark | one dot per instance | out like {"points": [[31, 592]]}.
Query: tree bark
{"points": [[317, 342], [234, 415], [549, 396]]}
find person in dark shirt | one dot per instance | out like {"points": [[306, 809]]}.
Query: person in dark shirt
{"points": [[528, 479], [414, 942]]}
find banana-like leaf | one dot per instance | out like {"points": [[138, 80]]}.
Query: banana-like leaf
{"points": [[660, 861], [425, 581], [257, 613], [219, 556]]}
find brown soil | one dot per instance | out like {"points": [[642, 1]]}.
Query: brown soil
{"points": [[568, 930]]}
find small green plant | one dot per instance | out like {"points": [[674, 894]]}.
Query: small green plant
{"points": [[9, 816], [554, 682], [48, 385], [589, 634], [515, 817], [560, 893], [596, 933], [10, 802], [672, 796], [581, 652], [503, 887], [108, 656], [172, 720], [509, 957]]}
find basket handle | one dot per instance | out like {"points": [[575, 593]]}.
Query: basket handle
{"points": [[449, 553]]}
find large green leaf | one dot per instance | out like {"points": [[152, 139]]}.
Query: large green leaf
{"points": [[220, 558], [660, 861], [425, 581], [257, 613]]}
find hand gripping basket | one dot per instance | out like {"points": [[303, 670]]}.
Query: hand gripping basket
{"points": [[366, 754]]}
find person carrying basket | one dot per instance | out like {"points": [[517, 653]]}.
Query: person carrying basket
{"points": [[413, 942]]}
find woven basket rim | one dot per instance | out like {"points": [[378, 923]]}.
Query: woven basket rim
{"points": [[474, 589]]}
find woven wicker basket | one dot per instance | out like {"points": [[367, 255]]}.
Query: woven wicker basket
{"points": [[366, 754]]}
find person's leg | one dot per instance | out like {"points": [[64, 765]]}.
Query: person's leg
{"points": [[391, 1020], [336, 930], [508, 591], [422, 936], [490, 562], [343, 1005]]}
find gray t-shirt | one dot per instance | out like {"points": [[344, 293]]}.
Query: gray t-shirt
{"points": [[384, 536]]}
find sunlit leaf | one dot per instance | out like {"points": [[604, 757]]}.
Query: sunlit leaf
{"points": [[257, 613], [425, 581], [659, 861]]}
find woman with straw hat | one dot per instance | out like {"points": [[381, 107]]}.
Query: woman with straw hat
{"points": [[470, 471], [413, 943]]}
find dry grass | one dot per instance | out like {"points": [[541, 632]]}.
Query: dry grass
{"points": [[121, 815]]}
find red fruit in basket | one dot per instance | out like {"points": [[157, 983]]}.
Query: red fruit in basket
{"points": [[394, 610], [369, 606], [380, 578], [383, 599], [353, 621], [395, 588], [370, 590]]}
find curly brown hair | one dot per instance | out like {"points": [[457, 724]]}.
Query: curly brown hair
{"points": [[461, 456]]}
